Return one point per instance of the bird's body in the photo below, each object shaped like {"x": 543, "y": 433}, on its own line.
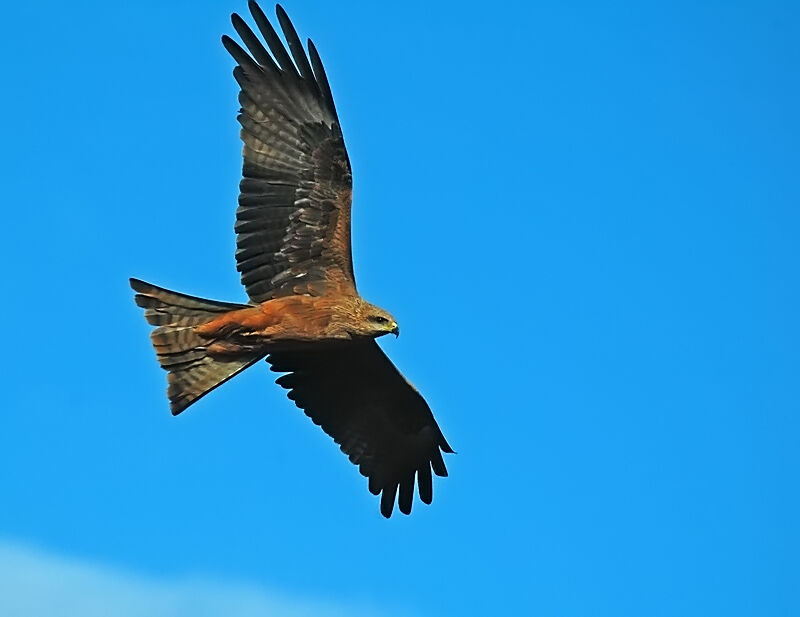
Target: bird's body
{"x": 296, "y": 319}
{"x": 305, "y": 315}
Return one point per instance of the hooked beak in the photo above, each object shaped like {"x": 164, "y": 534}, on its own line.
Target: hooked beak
{"x": 396, "y": 330}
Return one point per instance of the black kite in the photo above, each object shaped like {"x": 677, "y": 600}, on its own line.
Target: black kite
{"x": 293, "y": 251}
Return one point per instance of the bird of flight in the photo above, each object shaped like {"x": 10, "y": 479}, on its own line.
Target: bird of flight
{"x": 305, "y": 315}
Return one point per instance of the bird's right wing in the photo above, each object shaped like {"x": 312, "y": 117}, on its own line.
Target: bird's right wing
{"x": 293, "y": 221}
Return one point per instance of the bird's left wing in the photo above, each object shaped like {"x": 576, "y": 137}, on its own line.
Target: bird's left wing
{"x": 354, "y": 392}
{"x": 293, "y": 221}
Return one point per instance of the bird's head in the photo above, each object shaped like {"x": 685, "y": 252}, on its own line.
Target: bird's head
{"x": 377, "y": 322}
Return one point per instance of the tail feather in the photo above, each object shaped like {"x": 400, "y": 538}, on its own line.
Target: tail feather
{"x": 180, "y": 351}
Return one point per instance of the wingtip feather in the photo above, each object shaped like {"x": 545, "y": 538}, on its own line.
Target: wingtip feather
{"x": 406, "y": 497}
{"x": 387, "y": 500}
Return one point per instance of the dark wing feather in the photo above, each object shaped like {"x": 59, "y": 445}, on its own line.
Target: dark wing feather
{"x": 293, "y": 221}
{"x": 358, "y": 397}
{"x": 296, "y": 47}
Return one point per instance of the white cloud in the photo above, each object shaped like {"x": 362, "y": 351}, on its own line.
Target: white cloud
{"x": 34, "y": 583}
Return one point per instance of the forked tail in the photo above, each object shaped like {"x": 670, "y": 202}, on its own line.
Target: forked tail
{"x": 183, "y": 353}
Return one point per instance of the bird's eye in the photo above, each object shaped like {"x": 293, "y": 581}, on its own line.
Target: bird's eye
{"x": 379, "y": 319}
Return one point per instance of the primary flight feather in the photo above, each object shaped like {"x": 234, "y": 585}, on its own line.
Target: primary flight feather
{"x": 305, "y": 315}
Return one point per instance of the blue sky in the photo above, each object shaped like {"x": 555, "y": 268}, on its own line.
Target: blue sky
{"x": 583, "y": 215}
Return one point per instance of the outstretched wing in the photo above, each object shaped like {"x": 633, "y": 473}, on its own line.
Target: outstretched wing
{"x": 293, "y": 221}
{"x": 358, "y": 397}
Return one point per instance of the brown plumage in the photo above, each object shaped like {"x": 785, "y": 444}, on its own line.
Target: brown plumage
{"x": 293, "y": 252}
